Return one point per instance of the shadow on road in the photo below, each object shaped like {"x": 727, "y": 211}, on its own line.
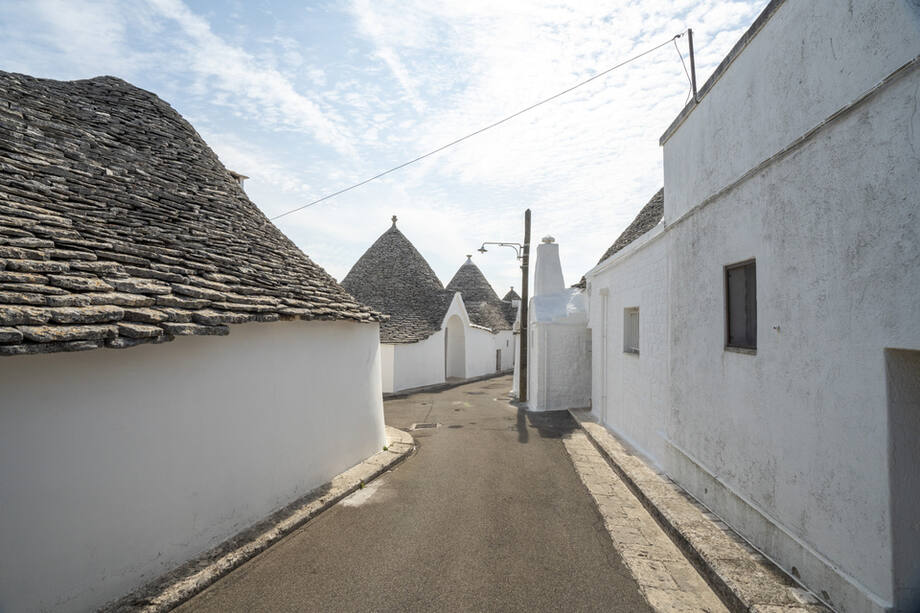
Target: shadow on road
{"x": 548, "y": 424}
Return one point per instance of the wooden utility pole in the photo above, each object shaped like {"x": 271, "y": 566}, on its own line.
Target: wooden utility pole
{"x": 525, "y": 268}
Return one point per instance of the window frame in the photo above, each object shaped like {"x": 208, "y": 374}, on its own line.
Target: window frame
{"x": 750, "y": 301}
{"x": 627, "y": 347}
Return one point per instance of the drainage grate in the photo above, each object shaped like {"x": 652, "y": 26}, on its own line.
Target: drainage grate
{"x": 420, "y": 426}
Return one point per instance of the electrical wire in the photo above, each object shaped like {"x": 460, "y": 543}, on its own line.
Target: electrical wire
{"x": 481, "y": 130}
{"x": 686, "y": 72}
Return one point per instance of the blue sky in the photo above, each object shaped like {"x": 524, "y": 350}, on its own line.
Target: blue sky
{"x": 309, "y": 97}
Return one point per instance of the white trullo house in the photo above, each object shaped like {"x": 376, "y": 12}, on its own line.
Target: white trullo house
{"x": 756, "y": 331}
{"x": 429, "y": 336}
{"x": 174, "y": 369}
{"x": 490, "y": 337}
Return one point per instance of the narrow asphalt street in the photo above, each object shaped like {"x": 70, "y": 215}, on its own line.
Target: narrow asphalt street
{"x": 488, "y": 515}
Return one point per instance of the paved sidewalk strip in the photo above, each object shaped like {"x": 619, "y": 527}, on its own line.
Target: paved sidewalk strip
{"x": 667, "y": 580}
{"x": 174, "y": 588}
{"x": 743, "y": 577}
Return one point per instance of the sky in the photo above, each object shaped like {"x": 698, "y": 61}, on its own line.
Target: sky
{"x": 307, "y": 98}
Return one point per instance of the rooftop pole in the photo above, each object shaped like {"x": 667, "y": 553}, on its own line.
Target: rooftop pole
{"x": 696, "y": 98}
{"x": 525, "y": 274}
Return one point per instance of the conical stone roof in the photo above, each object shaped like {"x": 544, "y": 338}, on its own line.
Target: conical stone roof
{"x": 511, "y": 295}
{"x": 392, "y": 277}
{"x": 120, "y": 226}
{"x": 481, "y": 301}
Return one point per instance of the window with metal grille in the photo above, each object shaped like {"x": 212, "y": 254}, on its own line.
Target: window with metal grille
{"x": 741, "y": 305}
{"x": 631, "y": 330}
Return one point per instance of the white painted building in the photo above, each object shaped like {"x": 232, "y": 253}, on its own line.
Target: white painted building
{"x": 756, "y": 333}
{"x": 559, "y": 347}
{"x": 429, "y": 336}
{"x": 128, "y": 458}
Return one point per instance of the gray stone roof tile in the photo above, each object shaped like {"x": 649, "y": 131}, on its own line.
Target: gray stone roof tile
{"x": 119, "y": 226}
{"x": 647, "y": 219}
{"x": 393, "y": 278}
{"x": 511, "y": 295}
{"x": 481, "y": 301}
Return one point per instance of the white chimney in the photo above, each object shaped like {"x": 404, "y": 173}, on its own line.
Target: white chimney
{"x": 548, "y": 271}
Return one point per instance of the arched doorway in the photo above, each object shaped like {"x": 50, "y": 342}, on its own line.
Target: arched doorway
{"x": 454, "y": 349}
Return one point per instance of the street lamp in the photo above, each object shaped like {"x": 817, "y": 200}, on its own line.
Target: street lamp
{"x": 523, "y": 254}
{"x": 516, "y": 246}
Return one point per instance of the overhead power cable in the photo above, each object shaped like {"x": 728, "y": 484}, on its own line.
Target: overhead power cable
{"x": 481, "y": 130}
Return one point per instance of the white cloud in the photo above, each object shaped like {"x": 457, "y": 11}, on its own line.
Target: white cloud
{"x": 261, "y": 89}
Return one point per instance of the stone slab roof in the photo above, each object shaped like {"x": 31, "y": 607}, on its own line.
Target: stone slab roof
{"x": 119, "y": 226}
{"x": 511, "y": 295}
{"x": 481, "y": 301}
{"x": 393, "y": 278}
{"x": 647, "y": 219}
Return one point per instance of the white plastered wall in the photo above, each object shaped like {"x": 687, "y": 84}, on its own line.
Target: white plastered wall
{"x": 559, "y": 353}
{"x": 631, "y": 392}
{"x": 387, "y": 353}
{"x": 119, "y": 465}
{"x": 790, "y": 446}
{"x": 418, "y": 364}
{"x": 481, "y": 347}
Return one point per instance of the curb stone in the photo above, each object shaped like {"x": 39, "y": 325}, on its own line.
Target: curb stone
{"x": 179, "y": 585}
{"x": 745, "y": 580}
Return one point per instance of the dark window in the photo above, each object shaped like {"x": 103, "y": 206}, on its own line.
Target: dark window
{"x": 741, "y": 305}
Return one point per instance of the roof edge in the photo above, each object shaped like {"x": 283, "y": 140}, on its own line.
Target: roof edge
{"x": 765, "y": 15}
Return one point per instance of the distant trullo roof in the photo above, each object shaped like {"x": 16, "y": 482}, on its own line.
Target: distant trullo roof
{"x": 119, "y": 226}
{"x": 511, "y": 295}
{"x": 481, "y": 301}
{"x": 393, "y": 278}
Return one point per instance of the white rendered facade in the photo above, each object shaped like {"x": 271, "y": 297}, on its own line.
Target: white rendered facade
{"x": 120, "y": 465}
{"x": 459, "y": 349}
{"x": 559, "y": 347}
{"x": 807, "y": 444}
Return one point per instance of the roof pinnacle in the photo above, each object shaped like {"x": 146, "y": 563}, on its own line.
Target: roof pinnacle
{"x": 394, "y": 221}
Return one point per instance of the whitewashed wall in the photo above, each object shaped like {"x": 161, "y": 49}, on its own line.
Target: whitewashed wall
{"x": 480, "y": 355}
{"x": 504, "y": 340}
{"x": 809, "y": 60}
{"x": 423, "y": 363}
{"x": 630, "y": 390}
{"x": 799, "y": 430}
{"x": 119, "y": 465}
{"x": 791, "y": 446}
{"x": 387, "y": 372}
{"x": 419, "y": 364}
{"x": 559, "y": 352}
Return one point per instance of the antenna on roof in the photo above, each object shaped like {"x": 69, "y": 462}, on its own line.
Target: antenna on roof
{"x": 394, "y": 221}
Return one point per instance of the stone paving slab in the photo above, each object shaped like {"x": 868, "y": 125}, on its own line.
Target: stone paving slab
{"x": 172, "y": 589}
{"x": 666, "y": 579}
{"x": 744, "y": 579}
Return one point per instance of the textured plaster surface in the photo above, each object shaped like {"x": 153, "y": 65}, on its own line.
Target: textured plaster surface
{"x": 118, "y": 466}
{"x": 810, "y": 59}
{"x": 191, "y": 578}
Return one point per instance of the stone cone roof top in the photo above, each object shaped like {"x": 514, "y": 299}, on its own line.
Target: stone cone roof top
{"x": 119, "y": 226}
{"x": 393, "y": 278}
{"x": 511, "y": 295}
{"x": 481, "y": 301}
{"x": 647, "y": 219}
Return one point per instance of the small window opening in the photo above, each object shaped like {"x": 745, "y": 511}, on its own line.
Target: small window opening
{"x": 741, "y": 305}
{"x": 631, "y": 330}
